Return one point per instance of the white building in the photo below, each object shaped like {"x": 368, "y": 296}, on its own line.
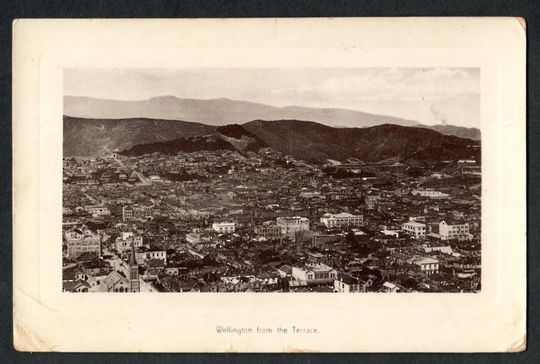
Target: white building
{"x": 224, "y": 227}
{"x": 309, "y": 194}
{"x": 193, "y": 238}
{"x": 427, "y": 265}
{"x": 82, "y": 241}
{"x": 454, "y": 231}
{"x": 415, "y": 229}
{"x": 447, "y": 249}
{"x": 390, "y": 287}
{"x": 430, "y": 194}
{"x": 97, "y": 210}
{"x": 341, "y": 220}
{"x": 126, "y": 240}
{"x": 292, "y": 225}
{"x": 314, "y": 273}
{"x": 144, "y": 256}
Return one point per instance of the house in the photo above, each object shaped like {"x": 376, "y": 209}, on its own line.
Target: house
{"x": 390, "y": 287}
{"x": 268, "y": 279}
{"x": 317, "y": 273}
{"x": 285, "y": 271}
{"x": 77, "y": 286}
{"x": 345, "y": 283}
{"x": 343, "y": 219}
{"x": 193, "y": 238}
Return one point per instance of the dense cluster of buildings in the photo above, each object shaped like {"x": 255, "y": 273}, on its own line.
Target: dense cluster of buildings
{"x": 262, "y": 222}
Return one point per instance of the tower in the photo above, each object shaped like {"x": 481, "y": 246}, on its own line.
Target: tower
{"x": 133, "y": 271}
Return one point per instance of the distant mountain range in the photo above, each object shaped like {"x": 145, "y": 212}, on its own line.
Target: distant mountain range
{"x": 301, "y": 139}
{"x": 219, "y": 112}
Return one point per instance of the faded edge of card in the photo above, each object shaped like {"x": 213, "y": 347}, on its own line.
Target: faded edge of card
{"x": 47, "y": 320}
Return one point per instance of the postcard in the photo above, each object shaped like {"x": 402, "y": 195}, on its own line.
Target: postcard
{"x": 269, "y": 185}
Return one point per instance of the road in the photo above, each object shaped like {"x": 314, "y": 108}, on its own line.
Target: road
{"x": 142, "y": 178}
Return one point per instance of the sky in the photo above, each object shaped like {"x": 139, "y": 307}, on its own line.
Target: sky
{"x": 427, "y": 95}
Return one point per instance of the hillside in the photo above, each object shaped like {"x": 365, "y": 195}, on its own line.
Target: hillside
{"x": 318, "y": 143}
{"x": 229, "y": 137}
{"x": 313, "y": 141}
{"x": 469, "y": 133}
{"x": 90, "y": 137}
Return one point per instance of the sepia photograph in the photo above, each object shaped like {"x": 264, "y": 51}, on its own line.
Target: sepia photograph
{"x": 269, "y": 185}
{"x": 346, "y": 180}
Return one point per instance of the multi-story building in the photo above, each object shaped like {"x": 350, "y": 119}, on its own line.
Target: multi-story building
{"x": 224, "y": 227}
{"x": 415, "y": 229}
{"x": 343, "y": 219}
{"x": 199, "y": 240}
{"x": 126, "y": 240}
{"x": 133, "y": 212}
{"x": 458, "y": 231}
{"x": 82, "y": 241}
{"x": 268, "y": 231}
{"x": 427, "y": 265}
{"x": 290, "y": 226}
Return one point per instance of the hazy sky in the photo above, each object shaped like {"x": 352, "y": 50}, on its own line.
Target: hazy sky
{"x": 427, "y": 95}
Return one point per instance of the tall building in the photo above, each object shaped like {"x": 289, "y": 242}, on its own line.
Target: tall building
{"x": 415, "y": 229}
{"x": 134, "y": 272}
{"x": 451, "y": 230}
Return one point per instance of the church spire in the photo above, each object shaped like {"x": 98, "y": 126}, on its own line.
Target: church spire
{"x": 132, "y": 258}
{"x": 134, "y": 271}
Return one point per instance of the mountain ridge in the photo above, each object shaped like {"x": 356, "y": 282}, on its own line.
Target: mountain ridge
{"x": 304, "y": 140}
{"x": 224, "y": 111}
